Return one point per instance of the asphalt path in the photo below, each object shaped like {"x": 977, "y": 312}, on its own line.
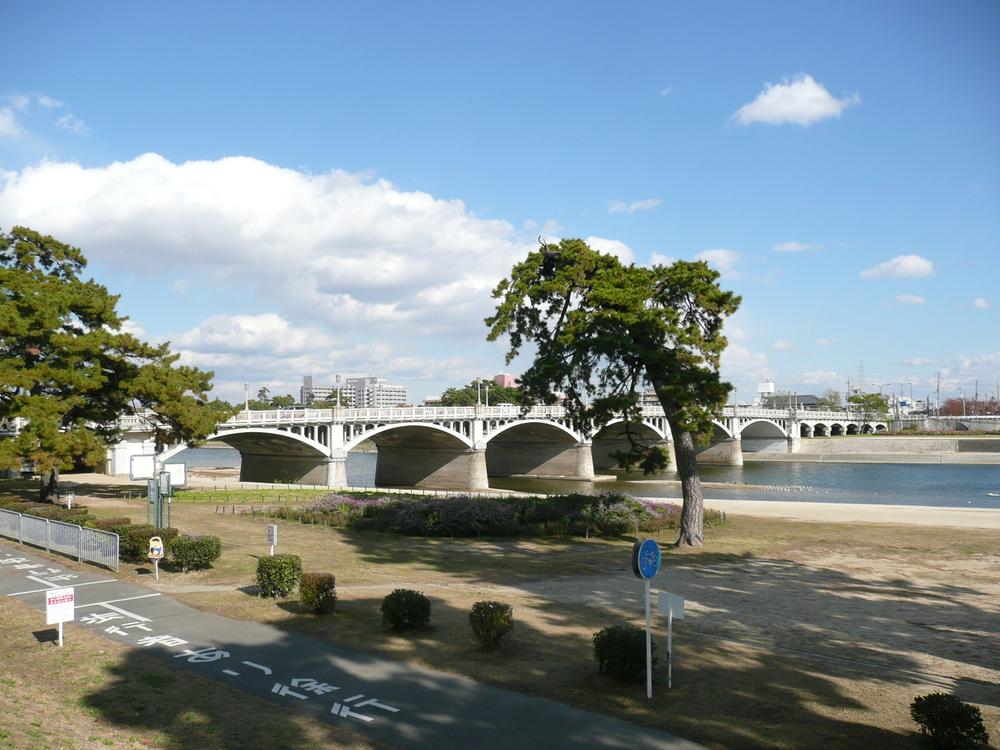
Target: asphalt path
{"x": 393, "y": 702}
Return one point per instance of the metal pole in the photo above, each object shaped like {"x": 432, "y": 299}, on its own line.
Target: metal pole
{"x": 60, "y": 635}
{"x": 649, "y": 646}
{"x": 670, "y": 643}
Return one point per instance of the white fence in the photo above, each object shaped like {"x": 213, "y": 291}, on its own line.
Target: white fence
{"x": 91, "y": 545}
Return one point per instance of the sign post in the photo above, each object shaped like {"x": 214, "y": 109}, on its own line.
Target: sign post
{"x": 156, "y": 554}
{"x": 60, "y": 605}
{"x": 646, "y": 560}
{"x": 672, "y": 606}
{"x": 272, "y": 536}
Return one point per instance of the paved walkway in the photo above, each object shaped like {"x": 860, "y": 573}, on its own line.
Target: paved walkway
{"x": 393, "y": 702}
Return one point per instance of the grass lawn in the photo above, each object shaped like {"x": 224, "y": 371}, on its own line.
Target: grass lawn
{"x": 94, "y": 693}
{"x": 798, "y": 634}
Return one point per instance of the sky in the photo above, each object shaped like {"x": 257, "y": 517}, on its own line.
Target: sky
{"x": 300, "y": 188}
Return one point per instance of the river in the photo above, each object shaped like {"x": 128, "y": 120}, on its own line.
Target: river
{"x": 947, "y": 485}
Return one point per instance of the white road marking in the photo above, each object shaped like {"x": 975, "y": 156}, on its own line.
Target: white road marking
{"x": 75, "y": 585}
{"x": 42, "y": 580}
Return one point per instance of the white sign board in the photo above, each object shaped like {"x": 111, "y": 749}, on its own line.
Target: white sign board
{"x": 671, "y": 604}
{"x": 142, "y": 467}
{"x": 272, "y": 533}
{"x": 59, "y": 605}
{"x": 178, "y": 474}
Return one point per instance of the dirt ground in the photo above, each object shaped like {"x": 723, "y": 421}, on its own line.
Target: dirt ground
{"x": 798, "y": 633}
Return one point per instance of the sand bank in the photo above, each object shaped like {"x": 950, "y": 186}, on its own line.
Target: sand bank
{"x": 970, "y": 518}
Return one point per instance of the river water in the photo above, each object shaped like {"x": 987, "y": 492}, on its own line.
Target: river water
{"x": 948, "y": 485}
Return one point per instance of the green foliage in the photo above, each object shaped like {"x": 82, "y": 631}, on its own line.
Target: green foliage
{"x": 602, "y": 331}
{"x": 405, "y": 609}
{"x": 264, "y": 403}
{"x": 133, "y": 540}
{"x": 951, "y": 723}
{"x": 67, "y": 366}
{"x": 278, "y": 575}
{"x": 620, "y": 651}
{"x": 318, "y": 591}
{"x": 830, "y": 399}
{"x": 487, "y": 391}
{"x": 491, "y": 621}
{"x": 108, "y": 524}
{"x": 869, "y": 406}
{"x": 195, "y": 552}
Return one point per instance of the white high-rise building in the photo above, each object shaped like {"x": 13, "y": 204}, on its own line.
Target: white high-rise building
{"x": 374, "y": 393}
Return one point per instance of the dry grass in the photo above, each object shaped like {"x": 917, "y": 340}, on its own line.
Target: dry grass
{"x": 94, "y": 693}
{"x": 800, "y": 635}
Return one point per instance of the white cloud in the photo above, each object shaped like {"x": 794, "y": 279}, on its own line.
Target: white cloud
{"x": 918, "y": 361}
{"x": 909, "y": 299}
{"x": 795, "y": 247}
{"x": 743, "y": 364}
{"x": 612, "y": 247}
{"x": 782, "y": 345}
{"x": 9, "y": 127}
{"x": 72, "y": 123}
{"x": 980, "y": 303}
{"x": 180, "y": 287}
{"x": 900, "y": 267}
{"x": 801, "y": 100}
{"x": 725, "y": 261}
{"x": 659, "y": 259}
{"x": 621, "y": 207}
{"x": 48, "y": 102}
{"x": 824, "y": 342}
{"x": 266, "y": 332}
{"x": 825, "y": 378}
{"x": 337, "y": 247}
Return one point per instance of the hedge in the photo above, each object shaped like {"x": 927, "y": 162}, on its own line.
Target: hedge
{"x": 278, "y": 575}
{"x": 405, "y": 609}
{"x": 491, "y": 621}
{"x": 133, "y": 540}
{"x": 194, "y": 552}
{"x": 620, "y": 651}
{"x": 318, "y": 591}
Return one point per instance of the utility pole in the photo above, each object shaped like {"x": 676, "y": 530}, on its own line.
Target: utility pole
{"x": 975, "y": 404}
{"x": 939, "y": 394}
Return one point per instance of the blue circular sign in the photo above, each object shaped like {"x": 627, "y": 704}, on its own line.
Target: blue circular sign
{"x": 646, "y": 559}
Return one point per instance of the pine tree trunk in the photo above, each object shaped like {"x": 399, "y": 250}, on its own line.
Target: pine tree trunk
{"x": 693, "y": 510}
{"x": 49, "y": 491}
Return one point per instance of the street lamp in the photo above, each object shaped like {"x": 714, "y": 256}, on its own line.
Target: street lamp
{"x": 338, "y": 391}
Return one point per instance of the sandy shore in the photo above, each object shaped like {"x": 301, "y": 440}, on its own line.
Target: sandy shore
{"x": 970, "y": 518}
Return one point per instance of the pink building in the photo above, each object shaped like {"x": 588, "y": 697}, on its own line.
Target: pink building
{"x": 505, "y": 380}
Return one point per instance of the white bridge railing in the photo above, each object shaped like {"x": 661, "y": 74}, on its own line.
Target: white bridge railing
{"x": 91, "y": 545}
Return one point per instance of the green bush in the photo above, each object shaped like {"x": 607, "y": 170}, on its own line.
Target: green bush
{"x": 278, "y": 575}
{"x": 133, "y": 540}
{"x": 620, "y": 651}
{"x": 318, "y": 591}
{"x": 950, "y": 722}
{"x": 491, "y": 621}
{"x": 108, "y": 524}
{"x": 404, "y": 609}
{"x": 193, "y": 552}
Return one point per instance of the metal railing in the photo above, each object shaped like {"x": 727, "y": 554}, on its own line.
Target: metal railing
{"x": 90, "y": 545}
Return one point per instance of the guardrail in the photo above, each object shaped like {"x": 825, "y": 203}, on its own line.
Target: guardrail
{"x": 90, "y": 545}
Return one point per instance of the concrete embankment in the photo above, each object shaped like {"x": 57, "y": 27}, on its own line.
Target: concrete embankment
{"x": 897, "y": 450}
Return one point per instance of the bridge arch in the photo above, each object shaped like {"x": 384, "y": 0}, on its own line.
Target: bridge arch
{"x": 537, "y": 447}
{"x": 763, "y": 436}
{"x": 611, "y": 439}
{"x": 421, "y": 432}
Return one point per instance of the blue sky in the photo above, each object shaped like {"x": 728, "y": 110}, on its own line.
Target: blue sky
{"x": 322, "y": 188}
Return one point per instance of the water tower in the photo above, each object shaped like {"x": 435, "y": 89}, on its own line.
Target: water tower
{"x": 765, "y": 391}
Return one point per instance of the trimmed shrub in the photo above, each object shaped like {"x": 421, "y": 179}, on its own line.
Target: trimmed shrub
{"x": 318, "y": 591}
{"x": 491, "y": 621}
{"x": 620, "y": 651}
{"x": 950, "y": 722}
{"x": 133, "y": 540}
{"x": 108, "y": 524}
{"x": 278, "y": 575}
{"x": 405, "y": 609}
{"x": 194, "y": 552}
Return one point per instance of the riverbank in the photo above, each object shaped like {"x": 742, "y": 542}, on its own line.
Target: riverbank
{"x": 916, "y": 515}
{"x": 878, "y": 458}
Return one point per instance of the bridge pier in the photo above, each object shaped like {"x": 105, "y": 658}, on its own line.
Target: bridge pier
{"x": 336, "y": 471}
{"x": 434, "y": 468}
{"x": 728, "y": 452}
